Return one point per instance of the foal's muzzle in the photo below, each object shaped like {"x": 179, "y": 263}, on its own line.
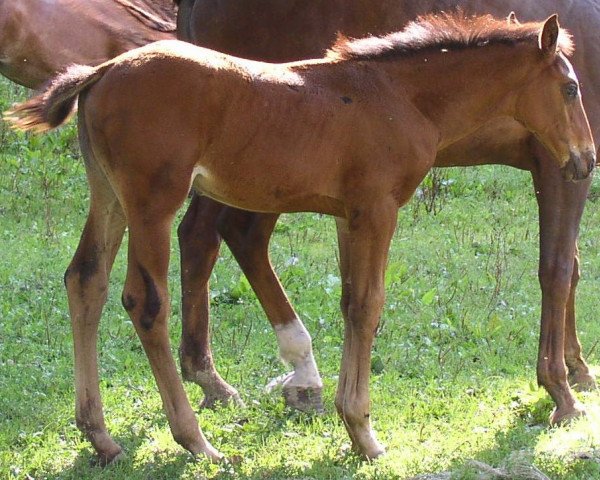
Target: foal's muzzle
{"x": 579, "y": 166}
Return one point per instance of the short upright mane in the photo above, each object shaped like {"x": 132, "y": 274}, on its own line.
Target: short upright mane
{"x": 450, "y": 31}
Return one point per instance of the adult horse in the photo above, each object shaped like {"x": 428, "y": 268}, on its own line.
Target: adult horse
{"x": 39, "y": 38}
{"x": 350, "y": 135}
{"x": 283, "y": 31}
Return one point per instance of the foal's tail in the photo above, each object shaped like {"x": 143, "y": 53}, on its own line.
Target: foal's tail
{"x": 56, "y": 103}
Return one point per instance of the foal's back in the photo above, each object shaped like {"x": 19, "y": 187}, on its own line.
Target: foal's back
{"x": 245, "y": 120}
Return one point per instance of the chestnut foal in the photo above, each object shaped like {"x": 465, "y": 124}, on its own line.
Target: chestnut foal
{"x": 350, "y": 135}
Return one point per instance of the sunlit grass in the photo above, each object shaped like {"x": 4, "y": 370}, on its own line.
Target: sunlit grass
{"x": 454, "y": 361}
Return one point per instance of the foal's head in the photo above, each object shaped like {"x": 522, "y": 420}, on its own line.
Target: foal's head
{"x": 549, "y": 105}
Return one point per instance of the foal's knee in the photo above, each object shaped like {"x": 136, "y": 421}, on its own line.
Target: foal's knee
{"x": 366, "y": 310}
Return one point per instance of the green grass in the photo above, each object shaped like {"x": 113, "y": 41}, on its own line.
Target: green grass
{"x": 454, "y": 361}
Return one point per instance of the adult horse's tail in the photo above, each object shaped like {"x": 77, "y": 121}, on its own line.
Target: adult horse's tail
{"x": 56, "y": 103}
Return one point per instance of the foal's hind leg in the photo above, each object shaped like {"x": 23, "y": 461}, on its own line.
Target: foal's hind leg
{"x": 145, "y": 297}
{"x": 558, "y": 236}
{"x": 364, "y": 243}
{"x": 86, "y": 281}
{"x": 247, "y": 235}
{"x": 199, "y": 244}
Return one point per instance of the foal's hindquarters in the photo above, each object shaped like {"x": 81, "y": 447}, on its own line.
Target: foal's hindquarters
{"x": 116, "y": 202}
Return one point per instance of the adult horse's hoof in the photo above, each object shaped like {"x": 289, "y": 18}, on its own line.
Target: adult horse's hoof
{"x": 563, "y": 417}
{"x": 305, "y": 399}
{"x": 583, "y": 382}
{"x": 217, "y": 392}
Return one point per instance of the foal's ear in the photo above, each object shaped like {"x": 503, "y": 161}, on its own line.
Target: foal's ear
{"x": 548, "y": 38}
{"x": 512, "y": 19}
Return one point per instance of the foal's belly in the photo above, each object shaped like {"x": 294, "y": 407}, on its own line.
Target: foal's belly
{"x": 250, "y": 191}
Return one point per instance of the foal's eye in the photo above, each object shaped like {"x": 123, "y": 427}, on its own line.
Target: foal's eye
{"x": 571, "y": 90}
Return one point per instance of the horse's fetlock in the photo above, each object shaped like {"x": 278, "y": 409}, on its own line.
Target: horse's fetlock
{"x": 193, "y": 366}
{"x": 295, "y": 343}
{"x": 186, "y": 436}
{"x": 354, "y": 413}
{"x": 552, "y": 374}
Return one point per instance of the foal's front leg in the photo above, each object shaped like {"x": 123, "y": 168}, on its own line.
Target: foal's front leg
{"x": 561, "y": 206}
{"x": 364, "y": 243}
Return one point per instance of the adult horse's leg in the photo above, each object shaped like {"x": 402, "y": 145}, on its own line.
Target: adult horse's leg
{"x": 364, "y": 242}
{"x": 560, "y": 209}
{"x": 247, "y": 235}
{"x": 150, "y": 214}
{"x": 86, "y": 281}
{"x": 199, "y": 244}
{"x": 184, "y": 12}
{"x": 580, "y": 377}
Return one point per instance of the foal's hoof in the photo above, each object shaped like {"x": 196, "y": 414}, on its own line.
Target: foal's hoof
{"x": 305, "y": 399}
{"x": 210, "y": 453}
{"x": 222, "y": 398}
{"x": 371, "y": 451}
{"x": 582, "y": 382}
{"x": 563, "y": 417}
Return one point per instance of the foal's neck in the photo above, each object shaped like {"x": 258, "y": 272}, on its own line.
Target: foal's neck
{"x": 458, "y": 91}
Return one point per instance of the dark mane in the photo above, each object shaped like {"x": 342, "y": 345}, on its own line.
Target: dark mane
{"x": 452, "y": 31}
{"x": 158, "y": 15}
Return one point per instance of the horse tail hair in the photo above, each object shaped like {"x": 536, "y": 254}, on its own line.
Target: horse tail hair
{"x": 56, "y": 103}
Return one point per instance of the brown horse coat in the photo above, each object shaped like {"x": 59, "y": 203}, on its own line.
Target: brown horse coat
{"x": 39, "y": 38}
{"x": 351, "y": 135}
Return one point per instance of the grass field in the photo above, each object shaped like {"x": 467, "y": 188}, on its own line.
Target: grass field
{"x": 453, "y": 367}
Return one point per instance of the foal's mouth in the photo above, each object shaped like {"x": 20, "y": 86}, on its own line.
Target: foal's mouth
{"x": 579, "y": 166}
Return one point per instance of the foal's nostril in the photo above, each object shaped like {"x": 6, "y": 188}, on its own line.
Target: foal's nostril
{"x": 591, "y": 161}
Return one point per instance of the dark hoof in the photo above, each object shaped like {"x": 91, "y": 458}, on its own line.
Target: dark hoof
{"x": 563, "y": 417}
{"x": 583, "y": 383}
{"x": 305, "y": 399}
